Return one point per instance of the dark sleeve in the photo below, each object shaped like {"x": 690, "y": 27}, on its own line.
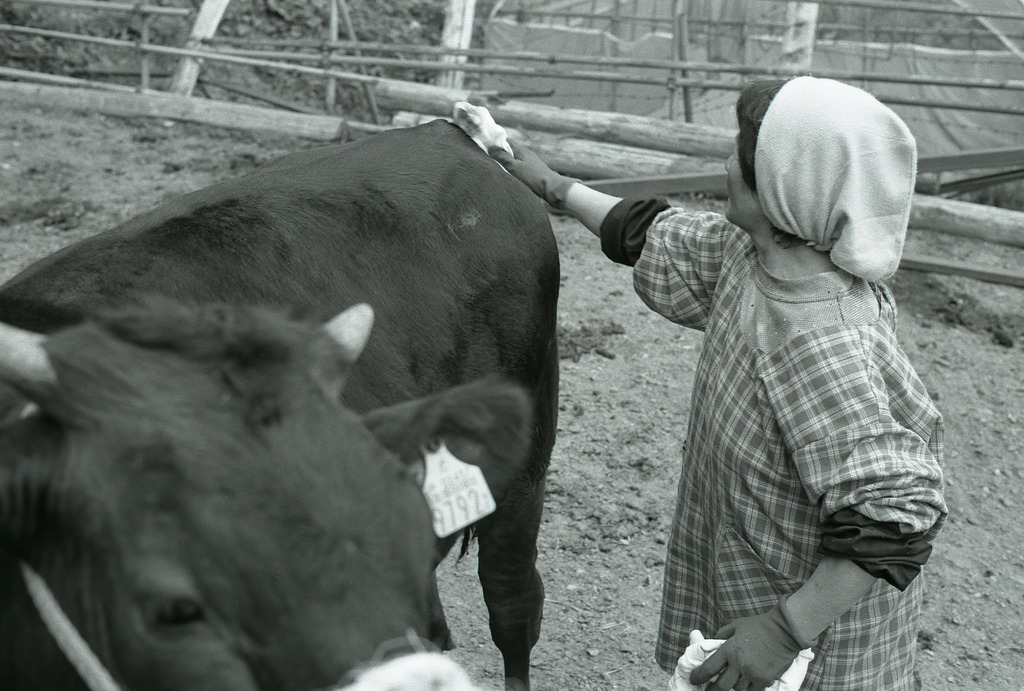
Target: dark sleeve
{"x": 624, "y": 229}
{"x": 883, "y": 550}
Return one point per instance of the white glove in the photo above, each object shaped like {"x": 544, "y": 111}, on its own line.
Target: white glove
{"x": 701, "y": 648}
{"x": 476, "y": 121}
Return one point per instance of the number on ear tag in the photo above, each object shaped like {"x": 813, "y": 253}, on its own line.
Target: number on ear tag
{"x": 456, "y": 492}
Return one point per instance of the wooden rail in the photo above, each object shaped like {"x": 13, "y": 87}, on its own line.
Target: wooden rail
{"x": 159, "y": 104}
{"x": 926, "y": 7}
{"x": 674, "y": 184}
{"x": 701, "y": 25}
{"x": 61, "y": 80}
{"x": 668, "y": 184}
{"x": 973, "y": 160}
{"x": 186, "y": 52}
{"x": 943, "y": 266}
{"x": 242, "y": 58}
{"x": 546, "y": 58}
{"x": 551, "y": 60}
{"x": 116, "y": 7}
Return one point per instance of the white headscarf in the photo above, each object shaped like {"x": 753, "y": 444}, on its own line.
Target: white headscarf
{"x": 837, "y": 168}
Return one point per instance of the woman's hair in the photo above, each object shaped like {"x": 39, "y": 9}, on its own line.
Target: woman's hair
{"x": 751, "y": 106}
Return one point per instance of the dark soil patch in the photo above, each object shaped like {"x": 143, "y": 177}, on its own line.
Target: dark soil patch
{"x": 576, "y": 341}
{"x": 930, "y": 297}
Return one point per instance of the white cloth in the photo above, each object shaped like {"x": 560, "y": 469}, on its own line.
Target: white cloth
{"x": 476, "y": 121}
{"x": 701, "y": 648}
{"x": 836, "y": 167}
{"x": 415, "y": 672}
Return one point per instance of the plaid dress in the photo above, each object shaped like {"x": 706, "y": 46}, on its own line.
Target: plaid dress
{"x": 803, "y": 404}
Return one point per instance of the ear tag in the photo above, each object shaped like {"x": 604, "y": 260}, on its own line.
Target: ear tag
{"x": 456, "y": 492}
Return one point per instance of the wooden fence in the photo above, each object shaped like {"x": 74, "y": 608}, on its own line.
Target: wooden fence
{"x": 357, "y": 56}
{"x": 658, "y": 156}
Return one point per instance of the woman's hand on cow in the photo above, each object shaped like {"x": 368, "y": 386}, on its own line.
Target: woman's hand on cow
{"x": 757, "y": 651}
{"x": 587, "y": 205}
{"x": 528, "y": 168}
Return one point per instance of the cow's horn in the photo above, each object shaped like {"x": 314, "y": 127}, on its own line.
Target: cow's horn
{"x": 351, "y": 329}
{"x": 23, "y": 362}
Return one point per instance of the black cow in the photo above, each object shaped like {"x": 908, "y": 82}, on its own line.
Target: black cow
{"x": 460, "y": 266}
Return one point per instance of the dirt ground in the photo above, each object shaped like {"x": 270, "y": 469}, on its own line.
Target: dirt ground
{"x": 626, "y": 378}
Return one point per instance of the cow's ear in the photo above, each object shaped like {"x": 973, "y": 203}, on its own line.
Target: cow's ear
{"x": 351, "y": 330}
{"x": 487, "y": 423}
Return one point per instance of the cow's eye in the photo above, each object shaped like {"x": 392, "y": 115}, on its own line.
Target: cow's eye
{"x": 179, "y": 610}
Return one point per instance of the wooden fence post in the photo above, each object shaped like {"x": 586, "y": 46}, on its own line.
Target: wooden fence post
{"x": 680, "y": 52}
{"x": 144, "y": 57}
{"x": 458, "y": 34}
{"x": 798, "y": 43}
{"x": 350, "y": 31}
{"x": 210, "y": 14}
{"x": 330, "y": 87}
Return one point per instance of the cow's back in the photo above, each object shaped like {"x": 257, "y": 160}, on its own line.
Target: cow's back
{"x": 457, "y": 258}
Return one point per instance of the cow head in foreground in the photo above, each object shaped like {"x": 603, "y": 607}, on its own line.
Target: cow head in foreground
{"x": 207, "y": 512}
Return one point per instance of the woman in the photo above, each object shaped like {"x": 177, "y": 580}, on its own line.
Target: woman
{"x": 811, "y": 487}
